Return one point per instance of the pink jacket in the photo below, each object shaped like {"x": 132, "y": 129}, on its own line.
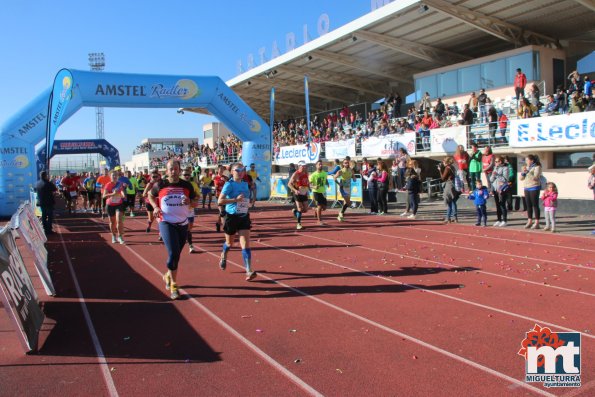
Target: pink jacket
{"x": 550, "y": 199}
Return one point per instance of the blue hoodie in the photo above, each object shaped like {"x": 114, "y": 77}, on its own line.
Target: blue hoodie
{"x": 480, "y": 196}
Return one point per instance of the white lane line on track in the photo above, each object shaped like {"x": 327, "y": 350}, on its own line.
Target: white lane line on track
{"x": 476, "y": 271}
{"x": 498, "y": 238}
{"x": 531, "y": 319}
{"x": 397, "y": 333}
{"x": 275, "y": 364}
{"x": 477, "y": 249}
{"x": 107, "y": 377}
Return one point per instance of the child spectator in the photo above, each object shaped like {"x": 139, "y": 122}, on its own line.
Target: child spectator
{"x": 480, "y": 197}
{"x": 550, "y": 203}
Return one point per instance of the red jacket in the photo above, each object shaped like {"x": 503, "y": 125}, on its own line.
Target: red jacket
{"x": 520, "y": 80}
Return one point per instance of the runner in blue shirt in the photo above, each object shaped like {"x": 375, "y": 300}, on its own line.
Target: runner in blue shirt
{"x": 236, "y": 198}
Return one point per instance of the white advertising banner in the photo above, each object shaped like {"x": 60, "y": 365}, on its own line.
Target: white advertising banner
{"x": 388, "y": 145}
{"x": 339, "y": 149}
{"x": 446, "y": 140}
{"x": 294, "y": 154}
{"x": 563, "y": 130}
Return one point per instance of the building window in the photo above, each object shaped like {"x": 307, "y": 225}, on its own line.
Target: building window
{"x": 573, "y": 159}
{"x": 208, "y": 134}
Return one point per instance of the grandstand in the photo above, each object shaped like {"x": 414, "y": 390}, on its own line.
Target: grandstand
{"x": 448, "y": 49}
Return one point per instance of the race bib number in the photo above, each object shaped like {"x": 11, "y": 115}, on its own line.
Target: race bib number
{"x": 72, "y": 194}
{"x": 116, "y": 199}
{"x": 242, "y": 206}
{"x": 303, "y": 190}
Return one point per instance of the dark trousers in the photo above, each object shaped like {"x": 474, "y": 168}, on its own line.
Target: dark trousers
{"x": 373, "y": 194}
{"x": 532, "y": 198}
{"x": 47, "y": 217}
{"x": 482, "y": 214}
{"x": 519, "y": 92}
{"x": 382, "y": 200}
{"x": 413, "y": 199}
{"x": 174, "y": 238}
{"x": 501, "y": 210}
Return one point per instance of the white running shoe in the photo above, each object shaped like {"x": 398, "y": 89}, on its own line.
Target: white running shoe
{"x": 299, "y": 226}
{"x": 121, "y": 240}
{"x": 340, "y": 217}
{"x": 496, "y": 224}
{"x": 191, "y": 248}
{"x": 113, "y": 239}
{"x": 404, "y": 213}
{"x": 412, "y": 216}
{"x": 502, "y": 224}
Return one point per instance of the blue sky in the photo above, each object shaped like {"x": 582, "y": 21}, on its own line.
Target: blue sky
{"x": 38, "y": 38}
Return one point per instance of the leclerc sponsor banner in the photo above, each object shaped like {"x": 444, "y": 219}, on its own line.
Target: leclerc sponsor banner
{"x": 563, "y": 130}
{"x": 388, "y": 145}
{"x": 339, "y": 149}
{"x": 17, "y": 292}
{"x": 446, "y": 140}
{"x": 294, "y": 154}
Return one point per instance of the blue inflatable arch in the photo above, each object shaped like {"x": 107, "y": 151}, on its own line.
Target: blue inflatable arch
{"x": 74, "y": 89}
{"x": 79, "y": 146}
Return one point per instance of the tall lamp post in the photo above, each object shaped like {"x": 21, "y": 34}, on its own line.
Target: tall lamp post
{"x": 97, "y": 64}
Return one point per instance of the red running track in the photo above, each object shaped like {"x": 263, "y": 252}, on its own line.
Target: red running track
{"x": 370, "y": 306}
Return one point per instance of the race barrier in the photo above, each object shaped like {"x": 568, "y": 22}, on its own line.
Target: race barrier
{"x": 357, "y": 195}
{"x": 279, "y": 187}
{"x": 18, "y": 294}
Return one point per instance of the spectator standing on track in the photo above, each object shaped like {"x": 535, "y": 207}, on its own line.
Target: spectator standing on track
{"x": 382, "y": 188}
{"x": 448, "y": 174}
{"x": 480, "y": 197}
{"x": 402, "y": 160}
{"x": 520, "y": 81}
{"x": 531, "y": 175}
{"x": 371, "y": 178}
{"x": 487, "y": 162}
{"x": 462, "y": 159}
{"x": 45, "y": 199}
{"x": 413, "y": 187}
{"x": 170, "y": 199}
{"x": 235, "y": 195}
{"x": 318, "y": 183}
{"x": 501, "y": 189}
{"x": 475, "y": 164}
{"x": 550, "y": 204}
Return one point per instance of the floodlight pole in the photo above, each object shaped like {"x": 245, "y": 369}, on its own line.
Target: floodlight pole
{"x": 97, "y": 64}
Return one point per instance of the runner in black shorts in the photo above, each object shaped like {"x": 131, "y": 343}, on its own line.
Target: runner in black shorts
{"x": 318, "y": 183}
{"x": 300, "y": 186}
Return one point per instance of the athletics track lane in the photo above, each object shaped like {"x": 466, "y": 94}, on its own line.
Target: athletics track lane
{"x": 340, "y": 354}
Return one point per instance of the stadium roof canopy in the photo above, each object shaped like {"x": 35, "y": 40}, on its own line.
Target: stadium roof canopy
{"x": 381, "y": 51}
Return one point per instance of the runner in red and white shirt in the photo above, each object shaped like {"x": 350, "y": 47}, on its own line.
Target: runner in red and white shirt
{"x": 219, "y": 181}
{"x": 171, "y": 199}
{"x": 114, "y": 193}
{"x": 299, "y": 183}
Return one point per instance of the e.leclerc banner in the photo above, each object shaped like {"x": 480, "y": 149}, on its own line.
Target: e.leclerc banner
{"x": 61, "y": 95}
{"x": 18, "y": 295}
{"x": 294, "y": 154}
{"x": 563, "y": 130}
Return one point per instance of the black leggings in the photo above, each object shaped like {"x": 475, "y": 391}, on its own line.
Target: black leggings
{"x": 382, "y": 200}
{"x": 501, "y": 210}
{"x": 532, "y": 198}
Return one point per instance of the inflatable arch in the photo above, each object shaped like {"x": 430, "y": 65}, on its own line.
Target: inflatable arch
{"x": 81, "y": 146}
{"x": 74, "y": 89}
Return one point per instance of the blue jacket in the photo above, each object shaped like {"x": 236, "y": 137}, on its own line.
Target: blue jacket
{"x": 480, "y": 196}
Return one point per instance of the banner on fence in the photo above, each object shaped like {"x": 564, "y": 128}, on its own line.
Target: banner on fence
{"x": 294, "y": 154}
{"x": 389, "y": 145}
{"x": 356, "y": 191}
{"x": 339, "y": 149}
{"x": 18, "y": 295}
{"x": 446, "y": 140}
{"x": 331, "y": 189}
{"x": 279, "y": 187}
{"x": 30, "y": 229}
{"x": 564, "y": 130}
